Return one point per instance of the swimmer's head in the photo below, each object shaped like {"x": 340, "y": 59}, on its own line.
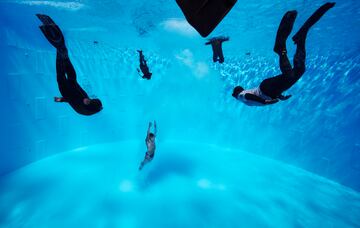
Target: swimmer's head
{"x": 237, "y": 90}
{"x": 151, "y": 136}
{"x": 147, "y": 76}
{"x": 95, "y": 105}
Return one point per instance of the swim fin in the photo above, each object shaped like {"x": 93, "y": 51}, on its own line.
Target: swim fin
{"x": 45, "y": 19}
{"x": 51, "y": 32}
{"x": 300, "y": 36}
{"x": 205, "y": 15}
{"x": 284, "y": 30}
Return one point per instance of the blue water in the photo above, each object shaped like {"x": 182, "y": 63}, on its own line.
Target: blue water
{"x": 218, "y": 163}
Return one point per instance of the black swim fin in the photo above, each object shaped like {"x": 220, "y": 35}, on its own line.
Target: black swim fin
{"x": 45, "y": 19}
{"x": 300, "y": 36}
{"x": 51, "y": 32}
{"x": 284, "y": 30}
{"x": 205, "y": 15}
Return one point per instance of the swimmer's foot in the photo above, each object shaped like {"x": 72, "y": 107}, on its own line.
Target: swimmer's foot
{"x": 284, "y": 30}
{"x": 300, "y": 36}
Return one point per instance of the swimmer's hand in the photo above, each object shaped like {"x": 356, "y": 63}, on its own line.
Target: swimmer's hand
{"x": 273, "y": 101}
{"x": 59, "y": 99}
{"x": 284, "y": 98}
{"x": 86, "y": 101}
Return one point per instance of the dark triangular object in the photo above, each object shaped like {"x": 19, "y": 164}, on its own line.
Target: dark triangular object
{"x": 205, "y": 15}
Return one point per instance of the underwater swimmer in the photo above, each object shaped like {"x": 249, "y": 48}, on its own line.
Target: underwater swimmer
{"x": 271, "y": 89}
{"x": 70, "y": 90}
{"x": 216, "y": 44}
{"x": 150, "y": 144}
{"x": 143, "y": 66}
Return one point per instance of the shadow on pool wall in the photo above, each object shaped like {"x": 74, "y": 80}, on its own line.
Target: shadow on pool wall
{"x": 188, "y": 95}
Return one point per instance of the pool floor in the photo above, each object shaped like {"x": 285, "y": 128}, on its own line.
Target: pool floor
{"x": 186, "y": 185}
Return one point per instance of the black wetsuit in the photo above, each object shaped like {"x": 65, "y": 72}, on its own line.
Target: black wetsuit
{"x": 69, "y": 88}
{"x": 216, "y": 45}
{"x": 275, "y": 86}
{"x": 143, "y": 67}
{"x": 65, "y": 73}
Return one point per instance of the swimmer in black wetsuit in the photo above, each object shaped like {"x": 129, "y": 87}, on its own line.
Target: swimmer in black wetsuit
{"x": 216, "y": 44}
{"x": 150, "y": 144}
{"x": 143, "y": 67}
{"x": 271, "y": 89}
{"x": 70, "y": 90}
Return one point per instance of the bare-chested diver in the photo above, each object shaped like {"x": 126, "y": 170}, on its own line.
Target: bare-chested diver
{"x": 143, "y": 66}
{"x": 216, "y": 45}
{"x": 150, "y": 144}
{"x": 271, "y": 90}
{"x": 70, "y": 90}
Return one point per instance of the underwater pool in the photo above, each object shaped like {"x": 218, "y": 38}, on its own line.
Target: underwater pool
{"x": 96, "y": 186}
{"x": 218, "y": 162}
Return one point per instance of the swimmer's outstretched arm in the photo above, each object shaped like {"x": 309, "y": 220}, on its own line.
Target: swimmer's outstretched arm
{"x": 139, "y": 72}
{"x": 59, "y": 99}
{"x": 155, "y": 128}
{"x": 148, "y": 131}
{"x": 221, "y": 39}
{"x": 253, "y": 97}
{"x": 284, "y": 98}
{"x": 225, "y": 38}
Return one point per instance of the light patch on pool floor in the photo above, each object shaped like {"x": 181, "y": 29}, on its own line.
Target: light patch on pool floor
{"x": 186, "y": 185}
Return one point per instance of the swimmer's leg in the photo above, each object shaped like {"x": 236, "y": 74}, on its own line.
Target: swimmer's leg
{"x": 282, "y": 34}
{"x": 216, "y": 48}
{"x": 284, "y": 30}
{"x": 221, "y": 55}
{"x": 215, "y": 57}
{"x": 61, "y": 74}
{"x": 299, "y": 60}
{"x": 300, "y": 36}
{"x": 285, "y": 65}
{"x": 274, "y": 87}
{"x": 141, "y": 58}
{"x": 64, "y": 67}
{"x": 143, "y": 163}
{"x": 300, "y": 40}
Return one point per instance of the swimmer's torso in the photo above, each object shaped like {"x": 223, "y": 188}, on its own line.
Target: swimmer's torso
{"x": 257, "y": 92}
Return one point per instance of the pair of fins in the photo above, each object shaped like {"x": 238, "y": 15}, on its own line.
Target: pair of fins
{"x": 205, "y": 15}
{"x": 51, "y": 31}
{"x": 287, "y": 23}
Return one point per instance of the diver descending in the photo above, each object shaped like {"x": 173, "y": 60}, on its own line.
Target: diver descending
{"x": 271, "y": 89}
{"x": 143, "y": 66}
{"x": 216, "y": 44}
{"x": 70, "y": 90}
{"x": 150, "y": 144}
